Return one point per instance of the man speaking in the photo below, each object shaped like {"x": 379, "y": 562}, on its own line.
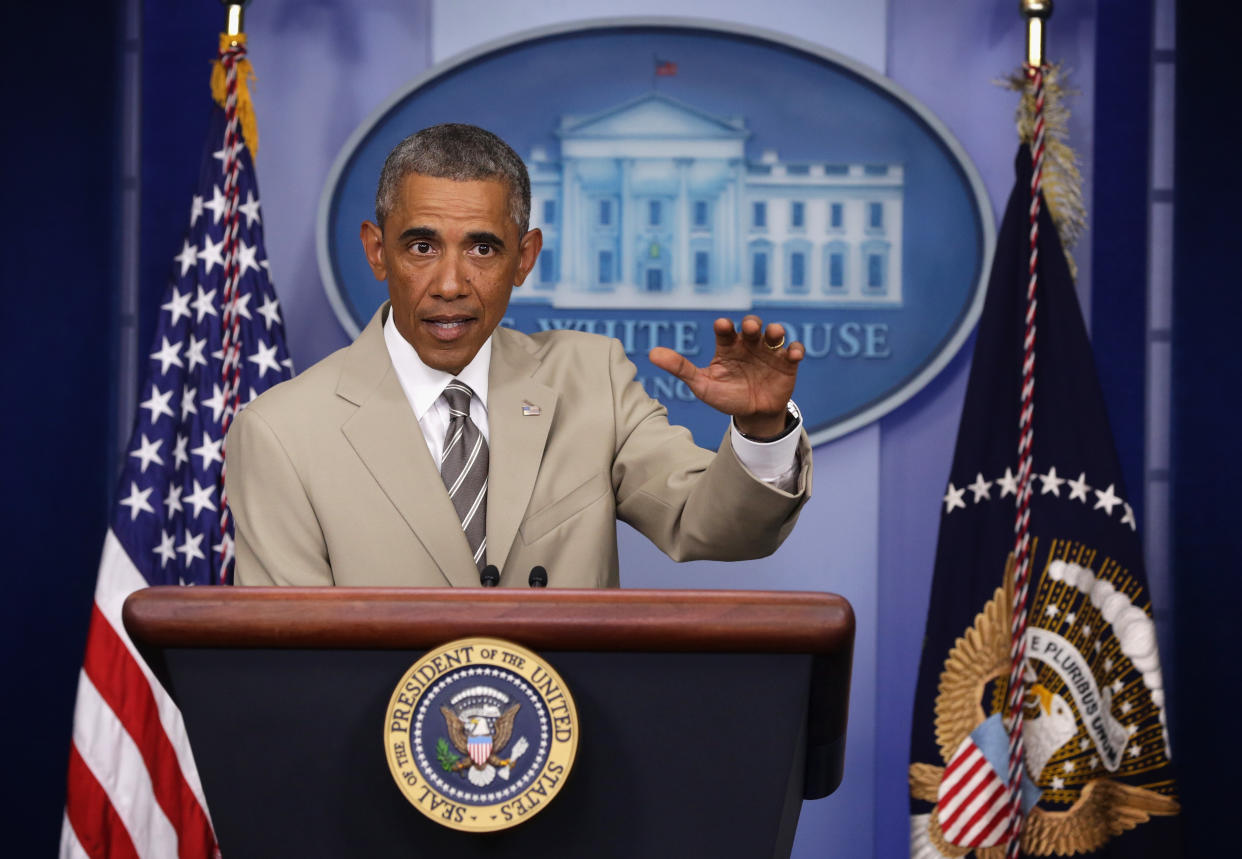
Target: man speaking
{"x": 439, "y": 444}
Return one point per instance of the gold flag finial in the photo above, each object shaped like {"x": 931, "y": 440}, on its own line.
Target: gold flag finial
{"x": 1036, "y": 12}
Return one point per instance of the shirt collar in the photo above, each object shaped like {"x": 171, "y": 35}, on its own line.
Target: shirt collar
{"x": 422, "y": 384}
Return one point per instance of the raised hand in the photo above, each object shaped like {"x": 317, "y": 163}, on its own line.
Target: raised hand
{"x": 751, "y": 376}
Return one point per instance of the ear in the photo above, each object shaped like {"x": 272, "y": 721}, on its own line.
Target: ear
{"x": 373, "y": 246}
{"x": 528, "y": 251}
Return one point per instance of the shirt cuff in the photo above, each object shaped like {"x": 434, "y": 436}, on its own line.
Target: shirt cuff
{"x": 773, "y": 462}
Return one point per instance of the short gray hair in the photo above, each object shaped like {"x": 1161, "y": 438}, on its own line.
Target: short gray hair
{"x": 459, "y": 152}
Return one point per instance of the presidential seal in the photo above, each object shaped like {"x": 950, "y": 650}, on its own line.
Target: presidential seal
{"x": 480, "y": 734}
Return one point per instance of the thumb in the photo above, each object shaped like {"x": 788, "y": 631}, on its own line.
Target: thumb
{"x": 672, "y": 362}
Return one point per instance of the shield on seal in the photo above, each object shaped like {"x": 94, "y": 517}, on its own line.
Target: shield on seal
{"x": 480, "y": 749}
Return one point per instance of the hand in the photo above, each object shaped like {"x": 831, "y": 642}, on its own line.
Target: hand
{"x": 747, "y": 378}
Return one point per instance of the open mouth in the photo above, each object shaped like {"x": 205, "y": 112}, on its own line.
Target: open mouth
{"x": 448, "y": 328}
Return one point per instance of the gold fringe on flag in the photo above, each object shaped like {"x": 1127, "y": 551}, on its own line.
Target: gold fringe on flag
{"x": 1062, "y": 180}
{"x": 245, "y": 108}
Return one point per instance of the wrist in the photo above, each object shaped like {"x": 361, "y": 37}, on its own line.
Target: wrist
{"x": 769, "y": 428}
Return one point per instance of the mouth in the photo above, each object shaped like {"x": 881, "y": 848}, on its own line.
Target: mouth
{"x": 448, "y": 328}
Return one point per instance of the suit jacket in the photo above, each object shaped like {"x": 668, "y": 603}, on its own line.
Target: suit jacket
{"x": 330, "y": 481}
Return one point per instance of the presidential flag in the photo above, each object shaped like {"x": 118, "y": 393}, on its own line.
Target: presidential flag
{"x": 133, "y": 789}
{"x": 1096, "y": 776}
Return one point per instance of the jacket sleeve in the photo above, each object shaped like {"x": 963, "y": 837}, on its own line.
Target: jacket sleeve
{"x": 277, "y": 536}
{"x": 691, "y": 503}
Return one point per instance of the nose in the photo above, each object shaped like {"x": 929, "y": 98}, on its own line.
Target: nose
{"x": 450, "y": 279}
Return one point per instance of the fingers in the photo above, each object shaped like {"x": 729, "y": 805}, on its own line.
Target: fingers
{"x": 754, "y": 333}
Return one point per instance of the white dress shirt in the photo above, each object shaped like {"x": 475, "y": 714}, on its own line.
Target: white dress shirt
{"x": 774, "y": 462}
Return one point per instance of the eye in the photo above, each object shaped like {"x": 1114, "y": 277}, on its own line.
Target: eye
{"x": 484, "y": 249}
{"x": 421, "y": 247}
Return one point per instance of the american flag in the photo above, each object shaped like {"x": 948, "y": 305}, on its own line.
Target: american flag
{"x": 133, "y": 789}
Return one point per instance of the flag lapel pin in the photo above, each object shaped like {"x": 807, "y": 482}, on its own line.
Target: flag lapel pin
{"x": 529, "y": 409}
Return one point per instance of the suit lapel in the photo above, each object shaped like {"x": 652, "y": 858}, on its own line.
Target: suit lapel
{"x": 388, "y": 440}
{"x": 516, "y": 439}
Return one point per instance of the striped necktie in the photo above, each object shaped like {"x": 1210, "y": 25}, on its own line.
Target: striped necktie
{"x": 463, "y": 466}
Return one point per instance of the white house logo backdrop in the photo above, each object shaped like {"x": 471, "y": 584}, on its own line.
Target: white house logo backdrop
{"x": 680, "y": 173}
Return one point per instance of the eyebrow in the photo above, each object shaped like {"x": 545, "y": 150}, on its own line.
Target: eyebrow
{"x": 485, "y": 237}
{"x": 418, "y": 233}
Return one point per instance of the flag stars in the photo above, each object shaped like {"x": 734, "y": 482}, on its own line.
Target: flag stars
{"x": 179, "y": 454}
{"x": 173, "y": 500}
{"x": 210, "y": 255}
{"x": 981, "y": 488}
{"x": 1058, "y": 783}
{"x": 1128, "y": 518}
{"x": 205, "y": 304}
{"x": 148, "y": 452}
{"x": 1051, "y": 483}
{"x": 136, "y": 501}
{"x": 165, "y": 549}
{"x": 157, "y": 404}
{"x": 169, "y": 354}
{"x": 1096, "y": 647}
{"x": 215, "y": 403}
{"x": 215, "y": 205}
{"x": 265, "y": 359}
{"x": 1008, "y": 483}
{"x": 190, "y": 548}
{"x": 178, "y": 304}
{"x": 1051, "y": 610}
{"x": 1135, "y": 751}
{"x": 1106, "y": 500}
{"x": 953, "y": 499}
{"x": 250, "y": 209}
{"x": 1079, "y": 488}
{"x": 1125, "y": 708}
{"x": 1070, "y": 618}
{"x": 187, "y": 402}
{"x": 200, "y": 498}
{"x": 1108, "y": 664}
{"x": 194, "y": 352}
{"x": 209, "y": 452}
{"x": 1116, "y": 686}
{"x": 1084, "y": 744}
{"x": 270, "y": 311}
{"x": 1086, "y": 631}
{"x": 1094, "y": 762}
{"x": 196, "y": 209}
{"x": 246, "y": 258}
{"x": 1069, "y": 767}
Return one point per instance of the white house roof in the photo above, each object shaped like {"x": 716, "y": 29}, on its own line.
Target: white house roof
{"x": 653, "y": 116}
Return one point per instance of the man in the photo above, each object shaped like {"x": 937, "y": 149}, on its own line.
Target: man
{"x": 439, "y": 443}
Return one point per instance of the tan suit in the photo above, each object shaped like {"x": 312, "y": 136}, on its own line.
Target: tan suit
{"x": 330, "y": 481}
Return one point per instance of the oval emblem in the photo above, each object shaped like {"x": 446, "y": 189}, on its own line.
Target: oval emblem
{"x": 684, "y": 172}
{"x": 480, "y": 734}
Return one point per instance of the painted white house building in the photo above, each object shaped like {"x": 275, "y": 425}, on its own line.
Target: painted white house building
{"x": 654, "y": 203}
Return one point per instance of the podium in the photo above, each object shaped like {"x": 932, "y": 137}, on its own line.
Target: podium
{"x": 706, "y": 717}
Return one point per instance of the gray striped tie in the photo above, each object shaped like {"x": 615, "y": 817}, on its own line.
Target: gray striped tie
{"x": 463, "y": 466}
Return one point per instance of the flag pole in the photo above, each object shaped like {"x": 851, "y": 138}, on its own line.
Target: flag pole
{"x": 1036, "y": 13}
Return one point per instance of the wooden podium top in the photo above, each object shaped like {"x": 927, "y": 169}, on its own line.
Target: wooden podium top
{"x": 548, "y": 619}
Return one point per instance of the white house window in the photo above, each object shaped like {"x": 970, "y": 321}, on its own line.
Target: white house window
{"x": 547, "y": 265}
{"x": 797, "y": 215}
{"x": 702, "y": 268}
{"x": 549, "y": 211}
{"x": 700, "y": 213}
{"x": 605, "y": 266}
{"x": 605, "y": 213}
{"x": 797, "y": 271}
{"x": 875, "y": 266}
{"x": 835, "y": 257}
{"x": 875, "y": 216}
{"x": 654, "y": 213}
{"x": 760, "y": 214}
{"x": 836, "y": 216}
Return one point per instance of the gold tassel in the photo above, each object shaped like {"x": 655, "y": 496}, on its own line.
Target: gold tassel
{"x": 1062, "y": 180}
{"x": 245, "y": 108}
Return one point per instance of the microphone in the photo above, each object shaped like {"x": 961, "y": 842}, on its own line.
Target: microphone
{"x": 490, "y": 577}
{"x": 538, "y": 577}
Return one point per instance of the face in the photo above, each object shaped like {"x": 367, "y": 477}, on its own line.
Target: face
{"x": 451, "y": 255}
